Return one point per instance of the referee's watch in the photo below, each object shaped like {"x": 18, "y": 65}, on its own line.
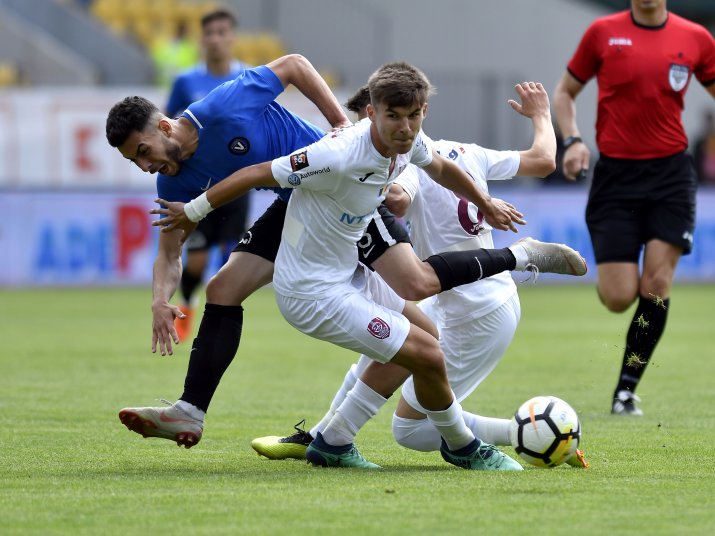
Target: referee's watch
{"x": 568, "y": 142}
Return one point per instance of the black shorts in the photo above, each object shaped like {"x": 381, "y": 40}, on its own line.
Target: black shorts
{"x": 264, "y": 238}
{"x": 634, "y": 201}
{"x": 225, "y": 225}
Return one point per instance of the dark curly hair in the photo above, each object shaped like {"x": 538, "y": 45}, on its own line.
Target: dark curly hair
{"x": 359, "y": 100}
{"x": 129, "y": 115}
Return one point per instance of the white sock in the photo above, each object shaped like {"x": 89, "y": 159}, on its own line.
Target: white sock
{"x": 488, "y": 429}
{"x": 348, "y": 383}
{"x": 191, "y": 410}
{"x": 322, "y": 423}
{"x": 416, "y": 434}
{"x": 421, "y": 435}
{"x": 450, "y": 425}
{"x": 359, "y": 406}
{"x": 522, "y": 259}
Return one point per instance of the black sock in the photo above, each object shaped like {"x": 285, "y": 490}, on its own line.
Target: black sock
{"x": 644, "y": 333}
{"x": 456, "y": 268}
{"x": 189, "y": 282}
{"x": 212, "y": 352}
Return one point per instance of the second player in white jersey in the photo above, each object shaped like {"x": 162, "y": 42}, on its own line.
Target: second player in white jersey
{"x": 441, "y": 221}
{"x": 476, "y": 322}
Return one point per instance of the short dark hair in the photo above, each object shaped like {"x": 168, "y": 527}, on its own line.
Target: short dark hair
{"x": 132, "y": 114}
{"x": 359, "y": 100}
{"x": 399, "y": 84}
{"x": 219, "y": 14}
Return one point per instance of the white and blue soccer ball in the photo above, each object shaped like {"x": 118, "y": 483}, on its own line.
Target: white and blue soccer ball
{"x": 545, "y": 431}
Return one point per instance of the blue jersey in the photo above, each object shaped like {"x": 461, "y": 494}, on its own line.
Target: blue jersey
{"x": 194, "y": 84}
{"x": 239, "y": 124}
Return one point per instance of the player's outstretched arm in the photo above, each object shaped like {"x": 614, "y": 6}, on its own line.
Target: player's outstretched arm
{"x": 499, "y": 214}
{"x": 297, "y": 70}
{"x": 540, "y": 159}
{"x": 186, "y": 216}
{"x": 165, "y": 280}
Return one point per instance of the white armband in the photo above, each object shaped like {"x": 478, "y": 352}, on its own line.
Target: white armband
{"x": 197, "y": 209}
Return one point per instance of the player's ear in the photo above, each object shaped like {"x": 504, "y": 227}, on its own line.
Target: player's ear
{"x": 165, "y": 126}
{"x": 371, "y": 112}
{"x": 424, "y": 110}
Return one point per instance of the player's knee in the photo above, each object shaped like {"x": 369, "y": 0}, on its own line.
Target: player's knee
{"x": 220, "y": 291}
{"x": 616, "y": 304}
{"x": 657, "y": 284}
{"x": 418, "y": 286}
{"x": 616, "y": 301}
{"x": 430, "y": 361}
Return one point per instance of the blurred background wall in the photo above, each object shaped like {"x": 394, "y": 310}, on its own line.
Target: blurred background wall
{"x": 76, "y": 212}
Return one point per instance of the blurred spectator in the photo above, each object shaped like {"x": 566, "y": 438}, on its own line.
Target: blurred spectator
{"x": 218, "y": 36}
{"x": 704, "y": 151}
{"x": 171, "y": 56}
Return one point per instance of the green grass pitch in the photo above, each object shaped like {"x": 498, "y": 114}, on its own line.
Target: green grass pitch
{"x": 70, "y": 359}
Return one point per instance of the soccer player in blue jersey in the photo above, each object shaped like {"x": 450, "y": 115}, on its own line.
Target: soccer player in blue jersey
{"x": 235, "y": 126}
{"x": 225, "y": 227}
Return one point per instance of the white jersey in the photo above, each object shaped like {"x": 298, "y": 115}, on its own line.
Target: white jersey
{"x": 440, "y": 221}
{"x": 339, "y": 181}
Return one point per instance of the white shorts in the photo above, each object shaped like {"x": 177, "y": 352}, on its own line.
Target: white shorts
{"x": 363, "y": 316}
{"x": 471, "y": 349}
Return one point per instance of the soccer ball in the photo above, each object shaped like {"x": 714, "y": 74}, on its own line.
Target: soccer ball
{"x": 545, "y": 431}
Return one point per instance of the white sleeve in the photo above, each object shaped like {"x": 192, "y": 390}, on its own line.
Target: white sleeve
{"x": 409, "y": 180}
{"x": 421, "y": 154}
{"x": 499, "y": 165}
{"x": 314, "y": 167}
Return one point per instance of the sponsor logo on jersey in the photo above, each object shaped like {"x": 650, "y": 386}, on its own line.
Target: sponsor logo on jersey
{"x": 294, "y": 179}
{"x": 378, "y": 328}
{"x": 620, "y": 42}
{"x": 299, "y": 161}
{"x": 204, "y": 188}
{"x": 239, "y": 145}
{"x": 353, "y": 219}
{"x": 326, "y": 169}
{"x": 453, "y": 154}
{"x": 363, "y": 179}
{"x": 678, "y": 76}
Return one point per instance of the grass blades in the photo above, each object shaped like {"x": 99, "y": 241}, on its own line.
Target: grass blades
{"x": 70, "y": 359}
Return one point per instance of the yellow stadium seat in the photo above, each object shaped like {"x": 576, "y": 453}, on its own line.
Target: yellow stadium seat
{"x": 9, "y": 75}
{"x": 270, "y": 46}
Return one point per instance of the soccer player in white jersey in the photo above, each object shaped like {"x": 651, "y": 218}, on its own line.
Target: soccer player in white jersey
{"x": 339, "y": 181}
{"x": 477, "y": 321}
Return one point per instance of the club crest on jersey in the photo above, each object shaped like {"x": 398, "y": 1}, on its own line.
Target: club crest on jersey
{"x": 678, "y": 76}
{"x": 378, "y": 328}
{"x": 299, "y": 161}
{"x": 239, "y": 145}
{"x": 294, "y": 179}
